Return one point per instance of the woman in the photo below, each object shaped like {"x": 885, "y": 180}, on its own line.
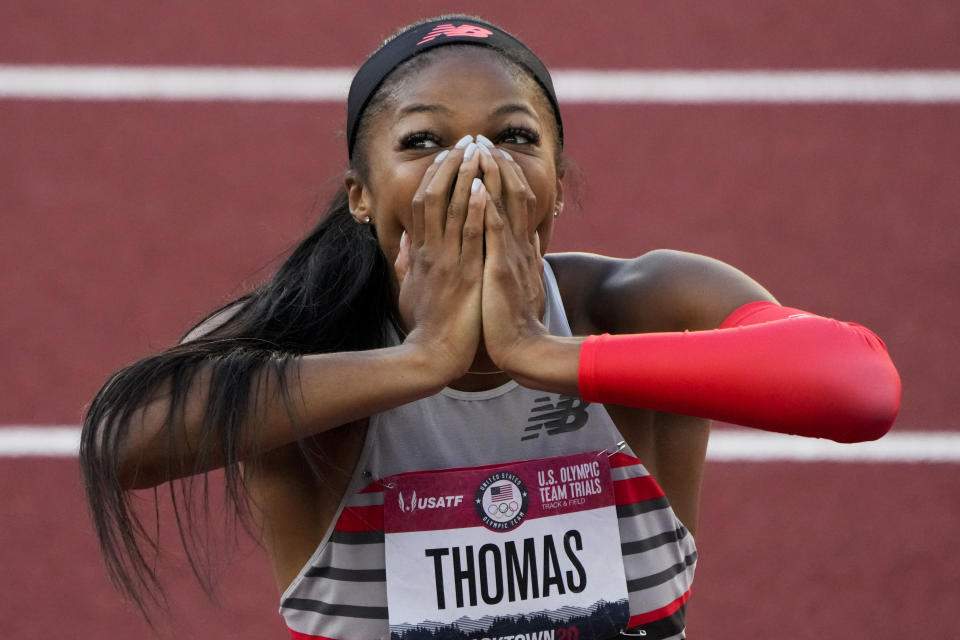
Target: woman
{"x": 422, "y": 327}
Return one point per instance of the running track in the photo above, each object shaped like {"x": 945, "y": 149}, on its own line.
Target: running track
{"x": 126, "y": 219}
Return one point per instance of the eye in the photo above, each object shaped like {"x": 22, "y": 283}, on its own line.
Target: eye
{"x": 518, "y": 135}
{"x": 420, "y": 140}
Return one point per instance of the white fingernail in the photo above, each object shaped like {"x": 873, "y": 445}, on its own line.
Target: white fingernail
{"x": 440, "y": 156}
{"x": 476, "y": 185}
{"x": 484, "y": 140}
{"x": 470, "y": 150}
{"x": 462, "y": 142}
{"x": 403, "y": 235}
{"x": 506, "y": 155}
{"x": 484, "y": 149}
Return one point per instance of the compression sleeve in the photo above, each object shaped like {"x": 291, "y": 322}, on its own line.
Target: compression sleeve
{"x": 767, "y": 366}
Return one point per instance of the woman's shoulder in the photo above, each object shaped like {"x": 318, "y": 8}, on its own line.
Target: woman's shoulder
{"x": 661, "y": 290}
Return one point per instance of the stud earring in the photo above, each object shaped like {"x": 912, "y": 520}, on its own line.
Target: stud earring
{"x": 556, "y": 213}
{"x": 366, "y": 220}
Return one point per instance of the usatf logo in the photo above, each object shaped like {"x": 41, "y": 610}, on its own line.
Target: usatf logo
{"x": 502, "y": 501}
{"x": 451, "y": 31}
{"x": 408, "y": 506}
{"x": 413, "y": 503}
{"x": 568, "y": 414}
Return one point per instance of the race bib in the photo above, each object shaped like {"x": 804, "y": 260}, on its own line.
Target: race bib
{"x": 529, "y": 548}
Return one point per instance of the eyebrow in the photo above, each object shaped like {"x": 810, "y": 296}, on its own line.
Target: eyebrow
{"x": 502, "y": 110}
{"x": 422, "y": 108}
{"x": 507, "y": 109}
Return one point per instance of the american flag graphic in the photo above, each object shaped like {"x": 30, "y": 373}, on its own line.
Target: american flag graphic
{"x": 501, "y": 492}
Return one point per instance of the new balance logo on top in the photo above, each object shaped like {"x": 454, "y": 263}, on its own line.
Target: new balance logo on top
{"x": 568, "y": 414}
{"x": 450, "y": 31}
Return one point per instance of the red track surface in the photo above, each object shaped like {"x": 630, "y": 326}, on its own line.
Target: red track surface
{"x": 125, "y": 222}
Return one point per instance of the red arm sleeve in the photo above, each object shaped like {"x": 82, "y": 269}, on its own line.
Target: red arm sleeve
{"x": 767, "y": 366}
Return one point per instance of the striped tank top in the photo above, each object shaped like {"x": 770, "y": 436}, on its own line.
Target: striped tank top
{"x": 341, "y": 594}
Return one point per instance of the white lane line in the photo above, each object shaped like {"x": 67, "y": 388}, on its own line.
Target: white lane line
{"x": 726, "y": 445}
{"x": 903, "y": 446}
{"x": 16, "y": 441}
{"x": 173, "y": 83}
{"x": 697, "y": 87}
{"x": 596, "y": 86}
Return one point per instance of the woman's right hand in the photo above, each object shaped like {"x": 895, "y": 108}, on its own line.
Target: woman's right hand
{"x": 440, "y": 262}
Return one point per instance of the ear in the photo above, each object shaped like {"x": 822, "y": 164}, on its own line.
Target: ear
{"x": 558, "y": 204}
{"x": 361, "y": 206}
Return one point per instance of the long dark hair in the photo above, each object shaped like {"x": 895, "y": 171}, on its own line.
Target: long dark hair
{"x": 332, "y": 294}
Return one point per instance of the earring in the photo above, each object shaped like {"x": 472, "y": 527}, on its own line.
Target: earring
{"x": 366, "y": 220}
{"x": 556, "y": 213}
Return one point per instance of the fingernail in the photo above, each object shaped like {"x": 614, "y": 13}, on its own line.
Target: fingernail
{"x": 440, "y": 156}
{"x": 476, "y": 185}
{"x": 484, "y": 140}
{"x": 470, "y": 150}
{"x": 506, "y": 155}
{"x": 462, "y": 142}
{"x": 484, "y": 149}
{"x": 403, "y": 235}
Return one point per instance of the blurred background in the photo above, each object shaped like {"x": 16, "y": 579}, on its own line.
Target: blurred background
{"x": 128, "y": 215}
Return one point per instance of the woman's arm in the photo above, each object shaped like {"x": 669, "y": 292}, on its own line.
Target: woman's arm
{"x": 315, "y": 393}
{"x": 766, "y": 366}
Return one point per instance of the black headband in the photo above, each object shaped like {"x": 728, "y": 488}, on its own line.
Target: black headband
{"x": 436, "y": 33}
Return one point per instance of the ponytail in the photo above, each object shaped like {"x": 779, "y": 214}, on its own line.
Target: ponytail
{"x": 331, "y": 294}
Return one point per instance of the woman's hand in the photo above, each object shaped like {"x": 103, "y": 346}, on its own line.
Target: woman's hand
{"x": 440, "y": 263}
{"x": 513, "y": 295}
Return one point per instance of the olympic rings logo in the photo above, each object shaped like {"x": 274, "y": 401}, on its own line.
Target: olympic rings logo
{"x": 503, "y": 509}
{"x": 502, "y": 501}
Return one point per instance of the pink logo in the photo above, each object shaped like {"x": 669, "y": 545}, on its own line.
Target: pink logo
{"x": 450, "y": 31}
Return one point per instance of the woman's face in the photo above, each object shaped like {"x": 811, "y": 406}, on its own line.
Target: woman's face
{"x": 464, "y": 91}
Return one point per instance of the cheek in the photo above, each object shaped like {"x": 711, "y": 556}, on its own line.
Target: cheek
{"x": 545, "y": 233}
{"x": 393, "y": 209}
{"x": 544, "y": 186}
{"x": 393, "y": 204}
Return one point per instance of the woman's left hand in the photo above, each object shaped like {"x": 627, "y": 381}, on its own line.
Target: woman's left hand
{"x": 513, "y": 296}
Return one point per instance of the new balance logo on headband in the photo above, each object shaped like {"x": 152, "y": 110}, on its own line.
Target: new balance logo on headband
{"x": 450, "y": 31}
